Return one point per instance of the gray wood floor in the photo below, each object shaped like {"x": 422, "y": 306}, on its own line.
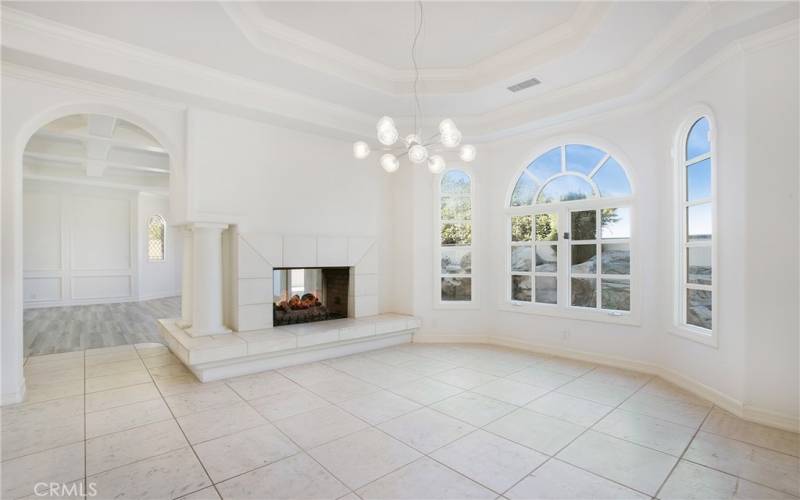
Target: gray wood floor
{"x": 75, "y": 328}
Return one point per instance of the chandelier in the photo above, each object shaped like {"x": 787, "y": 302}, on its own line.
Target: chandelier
{"x": 419, "y": 150}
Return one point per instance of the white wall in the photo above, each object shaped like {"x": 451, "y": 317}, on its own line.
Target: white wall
{"x": 274, "y": 180}
{"x": 158, "y": 278}
{"x": 88, "y": 245}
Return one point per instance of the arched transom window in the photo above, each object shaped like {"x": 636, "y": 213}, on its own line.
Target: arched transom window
{"x": 569, "y": 231}
{"x": 156, "y": 232}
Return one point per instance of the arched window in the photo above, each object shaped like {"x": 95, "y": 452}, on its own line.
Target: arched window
{"x": 695, "y": 226}
{"x": 156, "y": 234}
{"x": 569, "y": 232}
{"x": 454, "y": 249}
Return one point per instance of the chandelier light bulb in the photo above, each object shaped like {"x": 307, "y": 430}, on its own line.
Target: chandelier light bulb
{"x": 387, "y": 136}
{"x": 467, "y": 152}
{"x": 436, "y": 164}
{"x": 412, "y": 139}
{"x": 417, "y": 153}
{"x": 360, "y": 150}
{"x": 384, "y": 123}
{"x": 389, "y": 162}
{"x": 451, "y": 138}
{"x": 446, "y": 125}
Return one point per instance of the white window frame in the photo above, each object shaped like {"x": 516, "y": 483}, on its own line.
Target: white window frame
{"x": 438, "y": 303}
{"x": 564, "y": 308}
{"x": 679, "y": 325}
{"x": 164, "y": 240}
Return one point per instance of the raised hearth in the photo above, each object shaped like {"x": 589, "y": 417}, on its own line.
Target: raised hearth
{"x": 217, "y": 357}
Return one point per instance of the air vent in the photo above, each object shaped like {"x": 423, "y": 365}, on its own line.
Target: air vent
{"x": 524, "y": 85}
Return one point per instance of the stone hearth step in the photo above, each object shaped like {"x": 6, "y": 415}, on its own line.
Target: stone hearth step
{"x": 216, "y": 357}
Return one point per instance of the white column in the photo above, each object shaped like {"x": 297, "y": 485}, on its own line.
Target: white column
{"x": 207, "y": 280}
{"x": 186, "y": 279}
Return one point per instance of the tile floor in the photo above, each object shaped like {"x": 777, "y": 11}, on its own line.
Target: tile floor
{"x": 415, "y": 421}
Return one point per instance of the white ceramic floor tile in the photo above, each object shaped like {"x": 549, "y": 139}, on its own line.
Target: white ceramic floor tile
{"x": 112, "y": 398}
{"x": 117, "y": 380}
{"x": 679, "y": 412}
{"x": 125, "y": 447}
{"x": 426, "y": 391}
{"x": 665, "y": 390}
{"x": 426, "y": 430}
{"x": 557, "y": 480}
{"x": 292, "y": 401}
{"x": 571, "y": 367}
{"x": 465, "y": 378}
{"x": 473, "y": 408}
{"x": 295, "y": 478}
{"x": 115, "y": 367}
{"x": 490, "y": 460}
{"x": 235, "y": 454}
{"x": 541, "y": 377}
{"x": 52, "y": 389}
{"x": 58, "y": 465}
{"x": 510, "y": 391}
{"x": 378, "y": 407}
{"x": 422, "y": 480}
{"x": 317, "y": 427}
{"x": 311, "y": 373}
{"x": 598, "y": 392}
{"x": 690, "y": 481}
{"x": 260, "y": 385}
{"x": 341, "y": 388}
{"x": 540, "y": 432}
{"x": 570, "y": 409}
{"x": 647, "y": 431}
{"x": 617, "y": 376}
{"x": 34, "y": 427}
{"x": 759, "y": 465}
{"x": 629, "y": 464}
{"x": 728, "y": 425}
{"x": 127, "y": 417}
{"x": 169, "y": 386}
{"x": 427, "y": 366}
{"x": 209, "y": 493}
{"x": 362, "y": 457}
{"x": 170, "y": 475}
{"x": 204, "y": 398}
{"x": 217, "y": 422}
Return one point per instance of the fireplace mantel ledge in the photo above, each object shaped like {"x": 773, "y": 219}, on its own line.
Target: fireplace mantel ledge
{"x": 249, "y": 352}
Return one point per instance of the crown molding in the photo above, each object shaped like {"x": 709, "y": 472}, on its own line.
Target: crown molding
{"x": 279, "y": 40}
{"x": 625, "y": 88}
{"x": 29, "y": 34}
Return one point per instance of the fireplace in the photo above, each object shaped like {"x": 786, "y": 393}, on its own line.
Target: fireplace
{"x": 304, "y": 295}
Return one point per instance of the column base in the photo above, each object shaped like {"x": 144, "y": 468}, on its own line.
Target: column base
{"x": 202, "y": 332}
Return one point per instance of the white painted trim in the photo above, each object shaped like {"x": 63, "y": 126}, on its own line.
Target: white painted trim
{"x": 17, "y": 396}
{"x": 281, "y": 40}
{"x": 160, "y": 295}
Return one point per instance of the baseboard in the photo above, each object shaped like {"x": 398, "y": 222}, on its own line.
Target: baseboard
{"x": 160, "y": 295}
{"x": 14, "y": 397}
{"x": 727, "y": 403}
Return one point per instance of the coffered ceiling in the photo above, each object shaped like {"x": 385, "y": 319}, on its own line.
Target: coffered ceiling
{"x": 353, "y": 59}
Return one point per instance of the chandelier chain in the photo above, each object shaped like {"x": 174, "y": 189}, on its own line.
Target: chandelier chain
{"x": 418, "y": 109}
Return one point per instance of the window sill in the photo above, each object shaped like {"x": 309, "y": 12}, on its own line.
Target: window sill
{"x": 629, "y": 319}
{"x": 700, "y": 337}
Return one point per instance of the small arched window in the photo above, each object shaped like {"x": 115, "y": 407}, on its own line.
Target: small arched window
{"x": 695, "y": 226}
{"x": 156, "y": 238}
{"x": 569, "y": 231}
{"x": 454, "y": 279}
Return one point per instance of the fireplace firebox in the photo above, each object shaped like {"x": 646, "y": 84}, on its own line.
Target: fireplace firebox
{"x": 304, "y": 295}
